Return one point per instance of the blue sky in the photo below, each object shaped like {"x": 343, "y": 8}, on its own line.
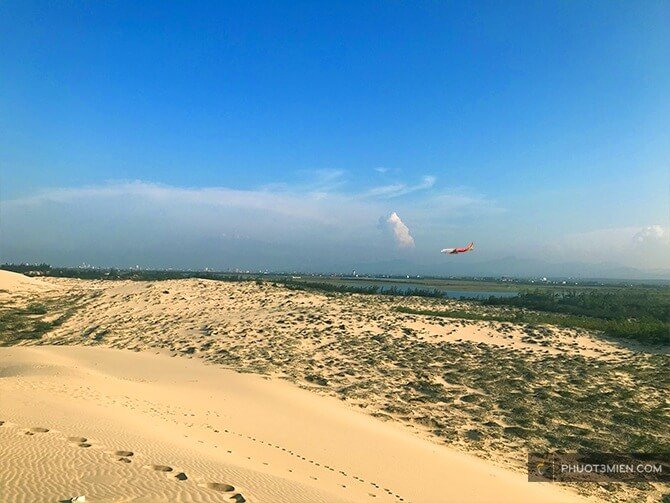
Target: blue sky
{"x": 537, "y": 129}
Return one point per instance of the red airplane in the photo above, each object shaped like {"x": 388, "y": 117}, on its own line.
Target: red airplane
{"x": 456, "y": 251}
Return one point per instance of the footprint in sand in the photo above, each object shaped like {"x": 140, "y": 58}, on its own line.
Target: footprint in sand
{"x": 161, "y": 468}
{"x": 123, "y": 456}
{"x": 38, "y": 429}
{"x": 80, "y": 441}
{"x": 218, "y": 486}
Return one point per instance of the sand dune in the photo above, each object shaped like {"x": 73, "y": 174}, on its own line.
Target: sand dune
{"x": 115, "y": 425}
{"x": 197, "y": 390}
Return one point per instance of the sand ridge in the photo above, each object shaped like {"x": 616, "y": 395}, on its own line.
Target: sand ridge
{"x": 20, "y": 288}
{"x": 13, "y": 282}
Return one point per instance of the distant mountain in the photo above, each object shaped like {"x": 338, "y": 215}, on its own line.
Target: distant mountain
{"x": 512, "y": 267}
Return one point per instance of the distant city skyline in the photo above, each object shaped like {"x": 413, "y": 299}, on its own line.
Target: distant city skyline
{"x": 321, "y": 137}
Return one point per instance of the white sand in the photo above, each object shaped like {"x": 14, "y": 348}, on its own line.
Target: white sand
{"x": 267, "y": 438}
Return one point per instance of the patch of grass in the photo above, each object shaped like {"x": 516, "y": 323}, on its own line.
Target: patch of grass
{"x": 641, "y": 314}
{"x": 517, "y": 317}
{"x": 316, "y": 379}
{"x": 647, "y": 330}
{"x": 18, "y": 324}
{"x": 36, "y": 309}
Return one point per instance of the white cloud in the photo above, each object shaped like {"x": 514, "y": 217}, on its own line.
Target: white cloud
{"x": 315, "y": 180}
{"x": 646, "y": 248}
{"x": 398, "y": 230}
{"x": 386, "y": 190}
{"x": 650, "y": 234}
{"x": 400, "y": 189}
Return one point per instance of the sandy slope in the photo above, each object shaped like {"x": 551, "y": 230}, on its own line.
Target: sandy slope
{"x": 17, "y": 284}
{"x": 268, "y": 439}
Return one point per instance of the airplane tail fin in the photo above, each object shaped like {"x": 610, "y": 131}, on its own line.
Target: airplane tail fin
{"x": 471, "y": 245}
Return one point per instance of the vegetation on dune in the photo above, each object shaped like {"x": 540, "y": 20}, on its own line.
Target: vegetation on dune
{"x": 15, "y": 324}
{"x": 487, "y": 397}
{"x": 19, "y": 324}
{"x": 635, "y": 313}
{"x": 641, "y": 315}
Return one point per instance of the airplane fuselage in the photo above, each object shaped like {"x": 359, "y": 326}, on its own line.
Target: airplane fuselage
{"x": 456, "y": 251}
